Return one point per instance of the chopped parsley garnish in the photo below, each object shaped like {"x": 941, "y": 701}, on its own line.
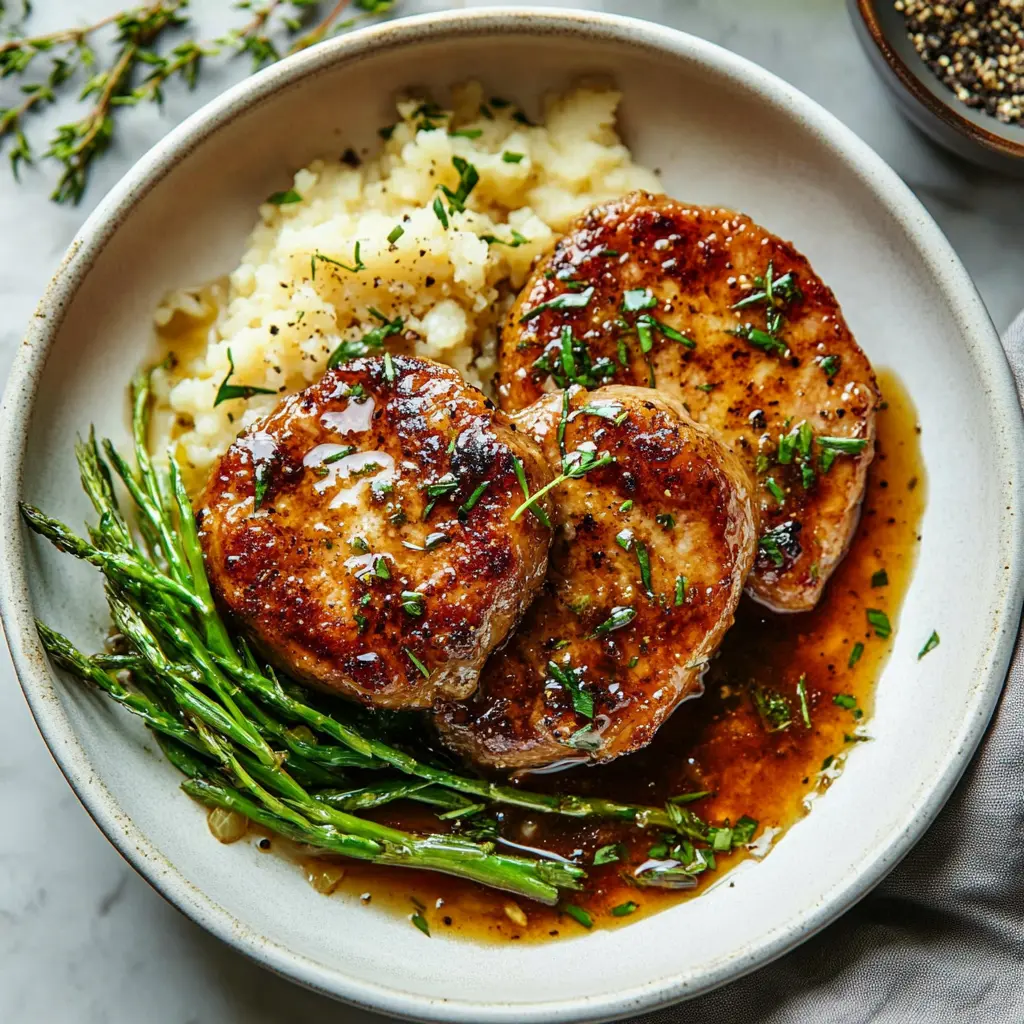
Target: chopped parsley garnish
{"x": 227, "y": 391}
{"x": 537, "y": 511}
{"x": 477, "y": 494}
{"x": 665, "y": 520}
{"x": 421, "y": 922}
{"x": 681, "y": 585}
{"x": 284, "y": 198}
{"x": 569, "y": 678}
{"x": 359, "y": 545}
{"x": 438, "y": 208}
{"x": 880, "y": 578}
{"x": 606, "y": 410}
{"x": 706, "y": 388}
{"x": 569, "y": 362}
{"x": 380, "y": 568}
{"x": 624, "y": 538}
{"x": 774, "y": 294}
{"x": 787, "y": 446}
{"x": 435, "y": 540}
{"x": 467, "y": 133}
{"x": 637, "y": 299}
{"x": 609, "y": 253}
{"x": 412, "y": 602}
{"x": 620, "y": 616}
{"x": 829, "y": 365}
{"x": 389, "y": 368}
{"x": 395, "y": 233}
{"x": 772, "y": 707}
{"x": 357, "y": 265}
{"x": 439, "y": 489}
{"x": 568, "y": 300}
{"x": 743, "y": 831}
{"x": 770, "y": 546}
{"x": 845, "y": 700}
{"x": 261, "y": 482}
{"x": 770, "y": 291}
{"x": 776, "y": 491}
{"x": 929, "y": 645}
{"x": 512, "y": 158}
{"x": 579, "y": 915}
{"x": 801, "y": 692}
{"x": 780, "y": 544}
{"x": 626, "y": 505}
{"x": 420, "y": 667}
{"x": 340, "y": 454}
{"x": 880, "y": 622}
{"x": 517, "y": 240}
{"x": 804, "y": 438}
{"x": 369, "y": 342}
{"x": 430, "y": 114}
{"x": 855, "y": 654}
{"x": 468, "y": 178}
{"x": 644, "y": 561}
{"x": 608, "y": 854}
{"x": 647, "y": 324}
{"x": 842, "y": 445}
{"x": 760, "y": 339}
{"x": 625, "y": 909}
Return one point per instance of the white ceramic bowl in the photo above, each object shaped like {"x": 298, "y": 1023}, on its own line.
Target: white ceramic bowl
{"x": 722, "y": 131}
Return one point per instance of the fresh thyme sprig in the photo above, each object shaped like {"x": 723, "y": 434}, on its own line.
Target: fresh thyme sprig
{"x": 575, "y": 465}
{"x": 138, "y": 71}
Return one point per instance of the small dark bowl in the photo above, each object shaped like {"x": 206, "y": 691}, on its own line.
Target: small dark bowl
{"x": 921, "y": 96}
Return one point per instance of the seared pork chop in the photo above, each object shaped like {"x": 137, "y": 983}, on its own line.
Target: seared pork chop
{"x": 361, "y": 533}
{"x": 646, "y": 570}
{"x": 718, "y": 313}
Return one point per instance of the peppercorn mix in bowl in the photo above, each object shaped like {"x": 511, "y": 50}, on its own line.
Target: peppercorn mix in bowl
{"x": 956, "y": 71}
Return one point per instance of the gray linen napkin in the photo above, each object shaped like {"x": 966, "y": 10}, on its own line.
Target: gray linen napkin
{"x": 942, "y": 938}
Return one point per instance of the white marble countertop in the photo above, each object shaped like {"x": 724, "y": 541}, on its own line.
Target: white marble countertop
{"x": 82, "y": 937}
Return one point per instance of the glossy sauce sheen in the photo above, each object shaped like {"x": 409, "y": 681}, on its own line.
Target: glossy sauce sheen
{"x": 653, "y": 265}
{"x": 324, "y": 541}
{"x": 716, "y": 743}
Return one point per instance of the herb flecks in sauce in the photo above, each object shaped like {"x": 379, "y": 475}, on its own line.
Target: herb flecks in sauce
{"x": 717, "y": 754}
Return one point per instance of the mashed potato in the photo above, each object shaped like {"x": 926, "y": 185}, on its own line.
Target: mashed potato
{"x": 383, "y": 247}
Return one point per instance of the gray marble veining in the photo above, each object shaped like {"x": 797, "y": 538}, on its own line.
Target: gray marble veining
{"x": 82, "y": 938}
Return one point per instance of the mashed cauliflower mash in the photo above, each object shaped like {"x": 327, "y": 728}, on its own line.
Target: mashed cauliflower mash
{"x": 394, "y": 250}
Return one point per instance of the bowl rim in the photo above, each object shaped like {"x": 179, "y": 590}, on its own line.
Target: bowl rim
{"x": 32, "y": 665}
{"x": 946, "y": 111}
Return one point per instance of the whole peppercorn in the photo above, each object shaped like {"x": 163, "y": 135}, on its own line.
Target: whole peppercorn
{"x": 976, "y": 48}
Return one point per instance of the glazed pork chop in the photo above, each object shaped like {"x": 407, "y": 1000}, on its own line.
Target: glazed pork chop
{"x": 361, "y": 534}
{"x": 730, "y": 320}
{"x": 647, "y": 567}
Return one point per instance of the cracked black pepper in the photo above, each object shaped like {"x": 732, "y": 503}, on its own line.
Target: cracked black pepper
{"x": 976, "y": 48}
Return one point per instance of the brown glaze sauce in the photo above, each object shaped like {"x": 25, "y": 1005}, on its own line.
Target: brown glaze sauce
{"x": 716, "y": 743}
